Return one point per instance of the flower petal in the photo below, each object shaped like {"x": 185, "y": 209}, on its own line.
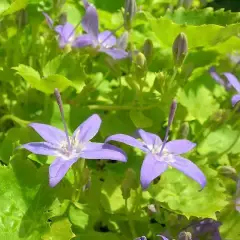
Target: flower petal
{"x": 127, "y": 140}
{"x": 149, "y": 139}
{"x": 190, "y": 169}
{"x": 163, "y": 237}
{"x": 180, "y": 146}
{"x": 88, "y": 129}
{"x": 233, "y": 80}
{"x": 48, "y": 19}
{"x": 151, "y": 168}
{"x": 67, "y": 31}
{"x": 235, "y": 100}
{"x": 115, "y": 53}
{"x": 83, "y": 41}
{"x": 90, "y": 21}
{"x": 48, "y": 133}
{"x": 107, "y": 39}
{"x": 122, "y": 41}
{"x": 41, "y": 148}
{"x": 216, "y": 76}
{"x": 58, "y": 170}
{"x": 58, "y": 29}
{"x": 103, "y": 151}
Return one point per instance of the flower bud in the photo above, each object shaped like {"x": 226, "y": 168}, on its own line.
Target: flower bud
{"x": 228, "y": 171}
{"x": 159, "y": 82}
{"x": 180, "y": 49}
{"x": 141, "y": 65}
{"x": 122, "y": 42}
{"x": 63, "y": 18}
{"x": 185, "y": 236}
{"x": 148, "y": 50}
{"x": 129, "y": 182}
{"x": 129, "y": 13}
{"x": 141, "y": 60}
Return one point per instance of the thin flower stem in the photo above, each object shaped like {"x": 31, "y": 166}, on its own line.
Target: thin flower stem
{"x": 170, "y": 120}
{"x": 175, "y": 71}
{"x": 80, "y": 167}
{"x": 130, "y": 222}
{"x": 60, "y": 105}
{"x": 118, "y": 107}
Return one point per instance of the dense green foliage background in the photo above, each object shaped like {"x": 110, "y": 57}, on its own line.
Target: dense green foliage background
{"x": 126, "y": 97}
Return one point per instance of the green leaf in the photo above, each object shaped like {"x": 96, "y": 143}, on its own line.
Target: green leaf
{"x": 140, "y": 120}
{"x": 181, "y": 194}
{"x": 25, "y": 199}
{"x": 60, "y": 230}
{"x": 230, "y": 219}
{"x": 52, "y": 66}
{"x": 198, "y": 101}
{"x": 203, "y": 16}
{"x": 46, "y": 85}
{"x": 14, "y": 7}
{"x": 112, "y": 199}
{"x": 204, "y": 35}
{"x": 221, "y": 140}
{"x": 21, "y": 207}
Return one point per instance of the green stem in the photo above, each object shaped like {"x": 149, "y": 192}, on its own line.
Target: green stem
{"x": 15, "y": 119}
{"x": 118, "y": 107}
{"x": 175, "y": 71}
{"x": 130, "y": 221}
{"x": 78, "y": 179}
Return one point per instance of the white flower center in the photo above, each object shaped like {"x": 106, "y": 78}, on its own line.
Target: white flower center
{"x": 76, "y": 148}
{"x": 166, "y": 156}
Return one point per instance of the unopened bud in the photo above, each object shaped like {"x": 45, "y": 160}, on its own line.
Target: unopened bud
{"x": 180, "y": 49}
{"x": 141, "y": 66}
{"x": 185, "y": 236}
{"x": 148, "y": 50}
{"x": 122, "y": 42}
{"x": 159, "y": 82}
{"x": 141, "y": 60}
{"x": 63, "y": 18}
{"x": 129, "y": 13}
{"x": 228, "y": 171}
{"x": 184, "y": 130}
{"x": 129, "y": 182}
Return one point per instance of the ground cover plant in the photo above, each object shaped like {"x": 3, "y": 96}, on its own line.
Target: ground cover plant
{"x": 119, "y": 119}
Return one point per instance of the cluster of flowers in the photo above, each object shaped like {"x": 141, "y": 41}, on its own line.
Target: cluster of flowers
{"x": 159, "y": 154}
{"x": 104, "y": 42}
{"x": 68, "y": 149}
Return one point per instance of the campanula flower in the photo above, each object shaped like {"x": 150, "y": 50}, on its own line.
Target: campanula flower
{"x": 162, "y": 154}
{"x": 232, "y": 82}
{"x": 104, "y": 42}
{"x": 68, "y": 149}
{"x": 65, "y": 31}
{"x": 207, "y": 226}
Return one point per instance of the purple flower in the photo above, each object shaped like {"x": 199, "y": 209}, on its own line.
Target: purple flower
{"x": 232, "y": 82}
{"x": 68, "y": 150}
{"x": 207, "y": 226}
{"x": 104, "y": 42}
{"x": 218, "y": 79}
{"x": 236, "y": 85}
{"x": 162, "y": 154}
{"x": 66, "y": 32}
